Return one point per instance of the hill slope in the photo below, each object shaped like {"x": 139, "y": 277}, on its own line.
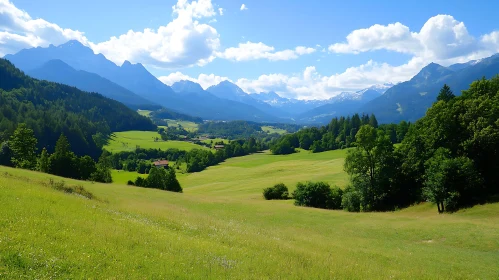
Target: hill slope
{"x": 51, "y": 109}
{"x": 229, "y": 231}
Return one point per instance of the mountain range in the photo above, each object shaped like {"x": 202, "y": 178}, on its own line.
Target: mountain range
{"x": 74, "y": 64}
{"x": 409, "y": 100}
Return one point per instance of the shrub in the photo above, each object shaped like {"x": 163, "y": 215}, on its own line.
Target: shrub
{"x": 351, "y": 200}
{"x": 130, "y": 183}
{"x": 336, "y": 198}
{"x": 318, "y": 195}
{"x": 279, "y": 191}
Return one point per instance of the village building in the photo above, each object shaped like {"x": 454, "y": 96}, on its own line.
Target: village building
{"x": 161, "y": 163}
{"x": 219, "y": 147}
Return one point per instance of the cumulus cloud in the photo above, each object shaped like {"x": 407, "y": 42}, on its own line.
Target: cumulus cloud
{"x": 253, "y": 51}
{"x": 243, "y": 7}
{"x": 205, "y": 80}
{"x": 442, "y": 39}
{"x": 18, "y": 31}
{"x": 221, "y": 11}
{"x": 182, "y": 42}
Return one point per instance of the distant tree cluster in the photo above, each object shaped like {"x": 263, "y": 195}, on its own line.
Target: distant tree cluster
{"x": 159, "y": 178}
{"x": 169, "y": 114}
{"x": 338, "y": 134}
{"x": 231, "y": 130}
{"x": 449, "y": 157}
{"x": 21, "y": 152}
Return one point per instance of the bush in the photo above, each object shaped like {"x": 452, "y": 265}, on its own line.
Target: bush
{"x": 318, "y": 195}
{"x": 130, "y": 183}
{"x": 351, "y": 200}
{"x": 336, "y": 198}
{"x": 279, "y": 191}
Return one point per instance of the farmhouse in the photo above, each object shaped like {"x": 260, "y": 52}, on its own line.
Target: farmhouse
{"x": 219, "y": 147}
{"x": 161, "y": 163}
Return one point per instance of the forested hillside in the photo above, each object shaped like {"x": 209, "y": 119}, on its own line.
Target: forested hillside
{"x": 51, "y": 109}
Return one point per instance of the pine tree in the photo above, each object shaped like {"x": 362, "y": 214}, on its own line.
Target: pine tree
{"x": 445, "y": 94}
{"x": 23, "y": 146}
{"x": 43, "y": 162}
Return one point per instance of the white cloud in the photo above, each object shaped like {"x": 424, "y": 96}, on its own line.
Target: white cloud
{"x": 182, "y": 42}
{"x": 253, "y": 51}
{"x": 18, "y": 31}
{"x": 205, "y": 80}
{"x": 311, "y": 85}
{"x": 442, "y": 39}
{"x": 221, "y": 11}
{"x": 243, "y": 7}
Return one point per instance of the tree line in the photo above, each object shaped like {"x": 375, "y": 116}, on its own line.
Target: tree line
{"x": 21, "y": 152}
{"x": 449, "y": 157}
{"x": 338, "y": 134}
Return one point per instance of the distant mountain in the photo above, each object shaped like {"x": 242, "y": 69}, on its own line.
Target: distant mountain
{"x": 58, "y": 71}
{"x": 135, "y": 78}
{"x": 410, "y": 100}
{"x": 346, "y": 103}
{"x": 51, "y": 109}
{"x": 186, "y": 86}
{"x": 230, "y": 91}
{"x": 460, "y": 66}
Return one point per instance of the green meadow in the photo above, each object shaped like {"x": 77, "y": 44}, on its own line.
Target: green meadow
{"x": 189, "y": 126}
{"x": 129, "y": 140}
{"x": 144, "y": 113}
{"x": 221, "y": 227}
{"x": 271, "y": 129}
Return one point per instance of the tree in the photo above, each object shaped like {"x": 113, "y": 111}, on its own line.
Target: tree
{"x": 445, "y": 94}
{"x": 43, "y": 162}
{"x": 86, "y": 166}
{"x": 312, "y": 194}
{"x": 278, "y": 191}
{"x": 373, "y": 121}
{"x": 370, "y": 166}
{"x": 172, "y": 184}
{"x": 63, "y": 160}
{"x": 156, "y": 179}
{"x": 23, "y": 146}
{"x": 103, "y": 169}
{"x": 447, "y": 179}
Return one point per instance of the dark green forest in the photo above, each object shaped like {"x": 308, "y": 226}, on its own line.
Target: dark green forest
{"x": 338, "y": 134}
{"x": 449, "y": 157}
{"x": 52, "y": 109}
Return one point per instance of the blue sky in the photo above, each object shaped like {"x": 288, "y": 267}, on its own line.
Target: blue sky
{"x": 303, "y": 49}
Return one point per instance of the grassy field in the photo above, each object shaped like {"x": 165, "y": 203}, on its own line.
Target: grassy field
{"x": 189, "y": 126}
{"x": 220, "y": 227}
{"x": 128, "y": 140}
{"x": 121, "y": 177}
{"x": 271, "y": 129}
{"x": 145, "y": 113}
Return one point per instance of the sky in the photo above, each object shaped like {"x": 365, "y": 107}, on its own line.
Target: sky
{"x": 310, "y": 49}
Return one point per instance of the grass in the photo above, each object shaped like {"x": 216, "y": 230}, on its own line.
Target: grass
{"x": 189, "y": 126}
{"x": 221, "y": 227}
{"x": 129, "y": 140}
{"x": 271, "y": 129}
{"x": 121, "y": 177}
{"x": 215, "y": 140}
{"x": 144, "y": 113}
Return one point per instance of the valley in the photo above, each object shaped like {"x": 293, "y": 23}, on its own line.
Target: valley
{"x": 218, "y": 228}
{"x": 213, "y": 139}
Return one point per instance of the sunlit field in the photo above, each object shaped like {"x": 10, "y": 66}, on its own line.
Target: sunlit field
{"x": 129, "y": 140}
{"x": 221, "y": 227}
